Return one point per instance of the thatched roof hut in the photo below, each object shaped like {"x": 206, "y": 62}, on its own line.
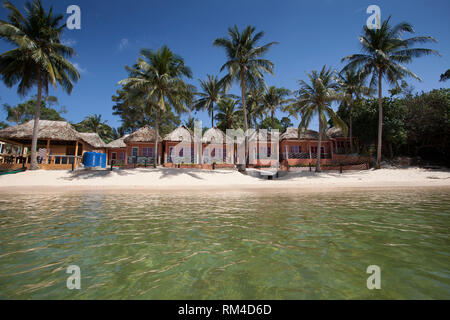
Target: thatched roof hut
{"x": 214, "y": 135}
{"x": 119, "y": 143}
{"x": 144, "y": 134}
{"x": 54, "y": 130}
{"x": 180, "y": 134}
{"x": 292, "y": 134}
{"x": 92, "y": 138}
{"x": 335, "y": 132}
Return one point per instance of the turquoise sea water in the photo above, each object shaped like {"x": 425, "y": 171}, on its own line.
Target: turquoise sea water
{"x": 226, "y": 245}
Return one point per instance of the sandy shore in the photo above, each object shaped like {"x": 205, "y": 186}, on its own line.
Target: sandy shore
{"x": 164, "y": 179}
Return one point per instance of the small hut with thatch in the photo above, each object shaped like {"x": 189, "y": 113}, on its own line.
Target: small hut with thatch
{"x": 341, "y": 143}
{"x": 117, "y": 150}
{"x": 179, "y": 146}
{"x": 140, "y": 146}
{"x": 93, "y": 141}
{"x": 214, "y": 147}
{"x": 261, "y": 150}
{"x": 59, "y": 144}
{"x": 302, "y": 148}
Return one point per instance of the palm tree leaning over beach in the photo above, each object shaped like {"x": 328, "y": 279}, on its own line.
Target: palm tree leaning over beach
{"x": 383, "y": 54}
{"x": 274, "y": 99}
{"x": 315, "y": 99}
{"x": 213, "y": 92}
{"x": 352, "y": 85}
{"x": 157, "y": 80}
{"x": 245, "y": 64}
{"x": 38, "y": 59}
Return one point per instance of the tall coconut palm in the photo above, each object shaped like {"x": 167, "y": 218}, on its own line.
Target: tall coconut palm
{"x": 383, "y": 54}
{"x": 157, "y": 79}
{"x": 274, "y": 99}
{"x": 39, "y": 57}
{"x": 352, "y": 85}
{"x": 315, "y": 99}
{"x": 213, "y": 92}
{"x": 228, "y": 116}
{"x": 245, "y": 64}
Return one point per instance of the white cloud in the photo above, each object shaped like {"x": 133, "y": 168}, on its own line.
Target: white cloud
{"x": 124, "y": 43}
{"x": 79, "y": 68}
{"x": 69, "y": 42}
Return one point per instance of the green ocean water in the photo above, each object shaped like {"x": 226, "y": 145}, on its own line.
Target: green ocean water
{"x": 231, "y": 245}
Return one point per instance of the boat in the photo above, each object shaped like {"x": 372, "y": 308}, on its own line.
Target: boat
{"x": 5, "y": 172}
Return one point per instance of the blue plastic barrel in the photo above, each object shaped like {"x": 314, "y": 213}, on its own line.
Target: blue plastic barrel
{"x": 89, "y": 159}
{"x": 103, "y": 160}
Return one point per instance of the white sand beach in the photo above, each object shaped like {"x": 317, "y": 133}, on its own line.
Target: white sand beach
{"x": 191, "y": 179}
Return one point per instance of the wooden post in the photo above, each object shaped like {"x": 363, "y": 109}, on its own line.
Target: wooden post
{"x": 75, "y": 160}
{"x": 48, "y": 150}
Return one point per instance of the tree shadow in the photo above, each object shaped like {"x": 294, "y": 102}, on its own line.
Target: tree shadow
{"x": 93, "y": 174}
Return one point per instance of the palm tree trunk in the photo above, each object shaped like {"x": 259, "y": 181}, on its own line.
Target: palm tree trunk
{"x": 155, "y": 158}
{"x": 212, "y": 118}
{"x": 34, "y": 165}
{"x": 319, "y": 145}
{"x": 351, "y": 129}
{"x": 244, "y": 108}
{"x": 271, "y": 115}
{"x": 380, "y": 121}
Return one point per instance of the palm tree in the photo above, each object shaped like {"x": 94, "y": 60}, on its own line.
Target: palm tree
{"x": 245, "y": 64}
{"x": 274, "y": 99}
{"x": 39, "y": 57}
{"x": 228, "y": 115}
{"x": 315, "y": 99}
{"x": 213, "y": 92}
{"x": 352, "y": 85}
{"x": 383, "y": 54}
{"x": 255, "y": 106}
{"x": 157, "y": 81}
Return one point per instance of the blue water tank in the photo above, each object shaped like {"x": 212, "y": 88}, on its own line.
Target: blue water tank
{"x": 97, "y": 159}
{"x": 103, "y": 160}
{"x": 89, "y": 159}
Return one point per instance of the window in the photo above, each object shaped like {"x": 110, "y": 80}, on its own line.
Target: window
{"x": 295, "y": 149}
{"x": 114, "y": 156}
{"x": 135, "y": 151}
{"x": 314, "y": 150}
{"x": 269, "y": 151}
{"x": 122, "y": 156}
{"x": 169, "y": 157}
{"x": 213, "y": 153}
{"x": 181, "y": 152}
{"x": 147, "y": 152}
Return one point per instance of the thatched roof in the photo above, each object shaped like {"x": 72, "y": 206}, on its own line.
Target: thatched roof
{"x": 144, "y": 134}
{"x": 119, "y": 143}
{"x": 92, "y": 138}
{"x": 292, "y": 134}
{"x": 54, "y": 130}
{"x": 335, "y": 132}
{"x": 214, "y": 135}
{"x": 261, "y": 135}
{"x": 180, "y": 134}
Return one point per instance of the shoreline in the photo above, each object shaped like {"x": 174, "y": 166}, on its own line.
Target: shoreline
{"x": 285, "y": 189}
{"x": 164, "y": 180}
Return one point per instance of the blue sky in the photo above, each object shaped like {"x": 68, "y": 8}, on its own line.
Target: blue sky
{"x": 310, "y": 34}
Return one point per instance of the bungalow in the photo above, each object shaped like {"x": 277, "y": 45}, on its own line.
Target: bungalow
{"x": 302, "y": 150}
{"x": 214, "y": 148}
{"x": 59, "y": 144}
{"x": 179, "y": 147}
{"x": 116, "y": 150}
{"x": 140, "y": 146}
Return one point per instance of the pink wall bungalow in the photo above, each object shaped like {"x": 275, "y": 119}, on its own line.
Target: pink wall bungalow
{"x": 140, "y": 147}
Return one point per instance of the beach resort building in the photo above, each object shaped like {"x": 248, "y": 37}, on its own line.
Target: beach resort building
{"x": 59, "y": 145}
{"x": 140, "y": 147}
{"x": 117, "y": 151}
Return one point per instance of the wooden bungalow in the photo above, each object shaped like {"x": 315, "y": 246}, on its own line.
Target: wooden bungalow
{"x": 117, "y": 150}
{"x": 140, "y": 147}
{"x": 261, "y": 150}
{"x": 302, "y": 150}
{"x": 340, "y": 143}
{"x": 214, "y": 148}
{"x": 59, "y": 144}
{"x": 179, "y": 147}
